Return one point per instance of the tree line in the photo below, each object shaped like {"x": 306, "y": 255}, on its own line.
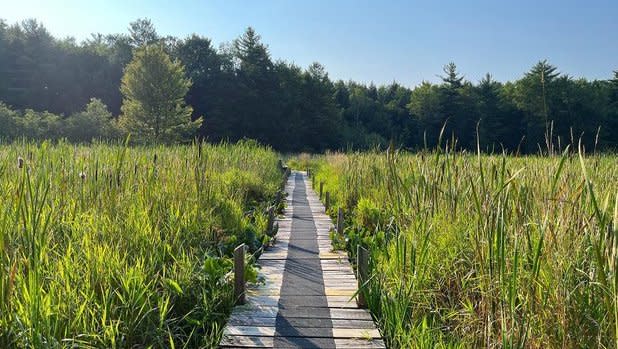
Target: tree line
{"x": 58, "y": 88}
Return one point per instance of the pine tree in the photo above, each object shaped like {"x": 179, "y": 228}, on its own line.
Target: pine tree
{"x": 454, "y": 107}
{"x": 154, "y": 88}
{"x": 257, "y": 89}
{"x": 452, "y": 78}
{"x": 536, "y": 97}
{"x": 611, "y": 114}
{"x": 500, "y": 124}
{"x": 252, "y": 54}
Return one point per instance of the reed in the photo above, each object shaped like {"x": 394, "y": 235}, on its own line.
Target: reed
{"x": 472, "y": 250}
{"x": 103, "y": 247}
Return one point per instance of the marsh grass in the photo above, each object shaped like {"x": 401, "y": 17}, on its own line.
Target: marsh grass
{"x": 471, "y": 250}
{"x": 109, "y": 246}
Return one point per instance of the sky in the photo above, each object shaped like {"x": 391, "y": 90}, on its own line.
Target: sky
{"x": 371, "y": 41}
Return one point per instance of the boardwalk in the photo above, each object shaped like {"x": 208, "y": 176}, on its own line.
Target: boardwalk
{"x": 305, "y": 301}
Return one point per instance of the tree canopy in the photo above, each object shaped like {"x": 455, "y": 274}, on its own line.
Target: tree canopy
{"x": 154, "y": 89}
{"x": 242, "y": 92}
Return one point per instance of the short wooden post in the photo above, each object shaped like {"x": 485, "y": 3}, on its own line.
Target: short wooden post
{"x": 239, "y": 274}
{"x": 327, "y": 201}
{"x": 321, "y": 189}
{"x": 271, "y": 221}
{"x": 340, "y": 221}
{"x": 308, "y": 172}
{"x": 362, "y": 269}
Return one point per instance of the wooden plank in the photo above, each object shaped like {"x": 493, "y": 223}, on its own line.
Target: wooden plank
{"x": 358, "y": 343}
{"x": 273, "y": 311}
{"x": 330, "y": 291}
{"x": 305, "y": 301}
{"x": 270, "y": 331}
{"x": 295, "y": 342}
{"x": 246, "y": 342}
{"x": 250, "y": 320}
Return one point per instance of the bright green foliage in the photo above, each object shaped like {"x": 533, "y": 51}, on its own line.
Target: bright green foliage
{"x": 95, "y": 122}
{"x": 483, "y": 251}
{"x": 154, "y": 88}
{"x": 8, "y": 121}
{"x": 115, "y": 247}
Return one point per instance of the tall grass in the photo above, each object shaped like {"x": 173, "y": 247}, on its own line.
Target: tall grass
{"x": 484, "y": 250}
{"x": 108, "y": 246}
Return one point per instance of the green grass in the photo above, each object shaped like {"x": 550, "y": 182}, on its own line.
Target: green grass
{"x": 483, "y": 251}
{"x": 108, "y": 246}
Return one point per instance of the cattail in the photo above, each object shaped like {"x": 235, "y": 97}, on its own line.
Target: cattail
{"x": 82, "y": 175}
{"x": 20, "y": 162}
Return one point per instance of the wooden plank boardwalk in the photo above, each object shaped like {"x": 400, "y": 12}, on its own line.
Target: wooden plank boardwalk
{"x": 305, "y": 299}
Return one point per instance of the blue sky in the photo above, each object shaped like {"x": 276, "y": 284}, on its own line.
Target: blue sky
{"x": 372, "y": 41}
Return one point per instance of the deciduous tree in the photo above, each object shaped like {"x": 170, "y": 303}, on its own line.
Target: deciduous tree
{"x": 154, "y": 88}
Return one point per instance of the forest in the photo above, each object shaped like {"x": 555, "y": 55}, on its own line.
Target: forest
{"x": 58, "y": 88}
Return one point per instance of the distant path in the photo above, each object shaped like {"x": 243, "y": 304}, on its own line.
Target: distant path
{"x": 305, "y": 301}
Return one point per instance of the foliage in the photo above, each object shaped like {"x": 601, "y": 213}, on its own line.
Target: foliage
{"x": 114, "y": 247}
{"x": 242, "y": 92}
{"x": 95, "y": 122}
{"x": 483, "y": 251}
{"x": 154, "y": 89}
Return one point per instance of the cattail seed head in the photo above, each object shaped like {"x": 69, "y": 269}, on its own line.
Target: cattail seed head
{"x": 20, "y": 162}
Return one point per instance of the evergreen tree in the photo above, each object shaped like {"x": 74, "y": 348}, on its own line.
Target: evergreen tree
{"x": 455, "y": 107}
{"x": 256, "y": 88}
{"x": 154, "y": 88}
{"x": 534, "y": 95}
{"x": 500, "y": 126}
{"x": 611, "y": 114}
{"x": 252, "y": 54}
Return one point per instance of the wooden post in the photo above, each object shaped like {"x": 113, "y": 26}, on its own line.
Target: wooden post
{"x": 321, "y": 188}
{"x": 362, "y": 268}
{"x": 340, "y": 221}
{"x": 308, "y": 173}
{"x": 271, "y": 221}
{"x": 327, "y": 201}
{"x": 239, "y": 274}
{"x": 280, "y": 163}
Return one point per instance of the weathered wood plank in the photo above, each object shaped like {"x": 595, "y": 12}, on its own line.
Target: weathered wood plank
{"x": 273, "y": 311}
{"x": 252, "y": 320}
{"x": 284, "y": 331}
{"x": 295, "y": 342}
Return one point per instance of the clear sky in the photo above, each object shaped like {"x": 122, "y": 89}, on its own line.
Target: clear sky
{"x": 371, "y": 41}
